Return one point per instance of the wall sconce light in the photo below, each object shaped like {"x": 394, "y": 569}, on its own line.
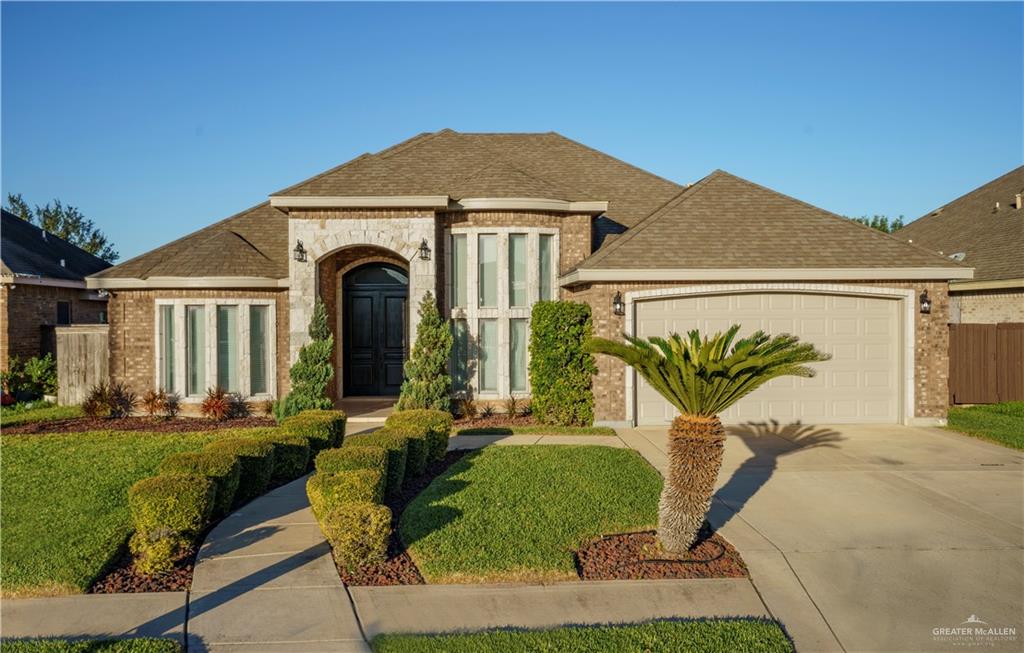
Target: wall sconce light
{"x": 299, "y": 253}
{"x": 926, "y": 302}
{"x": 618, "y": 306}
{"x": 424, "y": 251}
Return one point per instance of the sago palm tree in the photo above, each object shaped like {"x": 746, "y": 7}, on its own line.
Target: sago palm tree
{"x": 702, "y": 377}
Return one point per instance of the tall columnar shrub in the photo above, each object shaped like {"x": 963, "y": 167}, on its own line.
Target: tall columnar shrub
{"x": 560, "y": 369}
{"x": 313, "y": 371}
{"x": 427, "y": 383}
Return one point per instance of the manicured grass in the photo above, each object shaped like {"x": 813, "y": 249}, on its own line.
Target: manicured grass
{"x": 39, "y": 411}
{"x": 518, "y": 513}
{"x": 537, "y": 430}
{"x": 712, "y": 636}
{"x": 999, "y": 423}
{"x": 140, "y": 645}
{"x": 65, "y": 506}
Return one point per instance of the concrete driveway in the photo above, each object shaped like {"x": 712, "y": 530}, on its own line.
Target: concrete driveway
{"x": 874, "y": 538}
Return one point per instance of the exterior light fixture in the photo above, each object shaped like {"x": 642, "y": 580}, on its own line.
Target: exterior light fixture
{"x": 618, "y": 305}
{"x": 926, "y": 302}
{"x": 424, "y": 251}
{"x": 299, "y": 253}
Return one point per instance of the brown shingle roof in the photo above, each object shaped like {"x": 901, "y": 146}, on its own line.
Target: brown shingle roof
{"x": 992, "y": 240}
{"x": 724, "y": 221}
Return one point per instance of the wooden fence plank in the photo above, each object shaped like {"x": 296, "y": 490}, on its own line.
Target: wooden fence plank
{"x": 82, "y": 360}
{"x": 1010, "y": 361}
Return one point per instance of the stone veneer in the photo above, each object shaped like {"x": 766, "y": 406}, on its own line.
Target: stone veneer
{"x": 931, "y": 346}
{"x": 132, "y": 317}
{"x": 26, "y": 308}
{"x": 987, "y": 306}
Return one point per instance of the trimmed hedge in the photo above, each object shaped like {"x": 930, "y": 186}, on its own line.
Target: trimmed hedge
{"x": 291, "y": 455}
{"x": 256, "y": 459}
{"x": 346, "y": 459}
{"x": 396, "y": 448}
{"x": 328, "y": 491}
{"x": 324, "y": 429}
{"x": 222, "y": 468}
{"x": 358, "y": 533}
{"x": 438, "y": 424}
{"x": 560, "y": 370}
{"x": 419, "y": 446}
{"x": 168, "y": 512}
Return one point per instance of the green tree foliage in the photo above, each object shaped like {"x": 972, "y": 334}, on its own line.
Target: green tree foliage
{"x": 881, "y": 223}
{"x": 427, "y": 383}
{"x": 66, "y": 222}
{"x": 560, "y": 369}
{"x": 312, "y": 372}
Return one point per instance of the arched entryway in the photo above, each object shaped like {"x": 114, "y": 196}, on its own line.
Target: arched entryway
{"x": 374, "y": 329}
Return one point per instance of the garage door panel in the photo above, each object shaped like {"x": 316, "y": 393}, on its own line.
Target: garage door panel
{"x": 859, "y": 384}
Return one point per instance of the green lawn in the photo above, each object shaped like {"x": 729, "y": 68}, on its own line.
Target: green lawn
{"x": 518, "y": 513}
{"x": 36, "y": 412}
{"x": 65, "y": 504}
{"x": 999, "y": 423}
{"x": 537, "y": 430}
{"x": 140, "y": 645}
{"x": 712, "y": 636}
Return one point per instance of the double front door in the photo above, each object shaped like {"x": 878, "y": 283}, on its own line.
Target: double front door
{"x": 374, "y": 344}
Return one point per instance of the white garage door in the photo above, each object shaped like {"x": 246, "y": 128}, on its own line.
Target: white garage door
{"x": 860, "y": 384}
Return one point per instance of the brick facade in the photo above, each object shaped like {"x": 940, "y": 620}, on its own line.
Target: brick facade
{"x": 988, "y": 306}
{"x": 132, "y": 317}
{"x": 931, "y": 350}
{"x": 27, "y": 308}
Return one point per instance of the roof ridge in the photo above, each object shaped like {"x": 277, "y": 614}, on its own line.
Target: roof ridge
{"x": 652, "y": 217}
{"x": 418, "y": 139}
{"x": 875, "y": 233}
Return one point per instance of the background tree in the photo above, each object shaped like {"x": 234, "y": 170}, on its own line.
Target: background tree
{"x": 702, "y": 378}
{"x": 312, "y": 371}
{"x": 65, "y": 222}
{"x": 880, "y": 222}
{"x": 427, "y": 382}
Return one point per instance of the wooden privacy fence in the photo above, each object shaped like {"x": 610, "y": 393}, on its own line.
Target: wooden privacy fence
{"x": 82, "y": 360}
{"x": 986, "y": 363}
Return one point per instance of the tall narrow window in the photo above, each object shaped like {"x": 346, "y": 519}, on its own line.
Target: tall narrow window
{"x": 460, "y": 355}
{"x": 459, "y": 271}
{"x": 519, "y": 341}
{"x": 195, "y": 345}
{"x": 517, "y": 270}
{"x": 258, "y": 317}
{"x": 488, "y": 355}
{"x": 227, "y": 348}
{"x": 167, "y": 348}
{"x": 487, "y": 277}
{"x": 63, "y": 312}
{"x": 545, "y": 252}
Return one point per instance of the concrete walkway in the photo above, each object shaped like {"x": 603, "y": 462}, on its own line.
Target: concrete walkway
{"x": 868, "y": 538}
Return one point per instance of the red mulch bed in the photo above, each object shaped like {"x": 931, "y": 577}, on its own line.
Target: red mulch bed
{"x": 498, "y": 419}
{"x": 636, "y": 556}
{"x": 155, "y": 425}
{"x": 122, "y": 577}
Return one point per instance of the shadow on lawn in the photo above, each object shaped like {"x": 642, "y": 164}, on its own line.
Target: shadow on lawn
{"x": 429, "y": 515}
{"x": 768, "y": 441}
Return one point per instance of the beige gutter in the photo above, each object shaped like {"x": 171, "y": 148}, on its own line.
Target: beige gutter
{"x": 587, "y": 275}
{"x": 436, "y": 202}
{"x": 995, "y": 284}
{"x": 526, "y": 204}
{"x": 123, "y": 283}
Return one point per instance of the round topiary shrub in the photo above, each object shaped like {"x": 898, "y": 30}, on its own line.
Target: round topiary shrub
{"x": 396, "y": 448}
{"x": 221, "y": 468}
{"x": 358, "y": 533}
{"x": 256, "y": 459}
{"x": 328, "y": 491}
{"x": 167, "y": 512}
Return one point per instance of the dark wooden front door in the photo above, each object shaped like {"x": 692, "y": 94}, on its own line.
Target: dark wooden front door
{"x": 374, "y": 325}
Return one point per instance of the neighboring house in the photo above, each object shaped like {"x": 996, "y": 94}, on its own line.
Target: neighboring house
{"x": 491, "y": 223}
{"x": 43, "y": 284}
{"x": 985, "y": 230}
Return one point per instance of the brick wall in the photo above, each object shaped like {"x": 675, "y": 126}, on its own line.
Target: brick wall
{"x": 132, "y": 318}
{"x": 931, "y": 353}
{"x": 989, "y": 306}
{"x": 27, "y": 308}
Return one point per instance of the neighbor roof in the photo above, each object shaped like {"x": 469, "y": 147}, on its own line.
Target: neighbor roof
{"x": 27, "y": 250}
{"x": 725, "y": 222}
{"x": 991, "y": 239}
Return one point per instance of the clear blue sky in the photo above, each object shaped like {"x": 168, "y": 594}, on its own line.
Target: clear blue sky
{"x": 158, "y": 119}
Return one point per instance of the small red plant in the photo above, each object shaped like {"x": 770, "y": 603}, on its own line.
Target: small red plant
{"x": 217, "y": 405}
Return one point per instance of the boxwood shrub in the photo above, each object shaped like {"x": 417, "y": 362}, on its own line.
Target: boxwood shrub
{"x": 291, "y": 455}
{"x": 358, "y": 533}
{"x": 560, "y": 370}
{"x": 348, "y": 458}
{"x": 328, "y": 491}
{"x": 168, "y": 512}
{"x": 419, "y": 446}
{"x": 323, "y": 428}
{"x": 221, "y": 468}
{"x": 256, "y": 459}
{"x": 396, "y": 448}
{"x": 437, "y": 423}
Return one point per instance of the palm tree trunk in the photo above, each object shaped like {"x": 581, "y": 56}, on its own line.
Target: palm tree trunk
{"x": 695, "y": 446}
